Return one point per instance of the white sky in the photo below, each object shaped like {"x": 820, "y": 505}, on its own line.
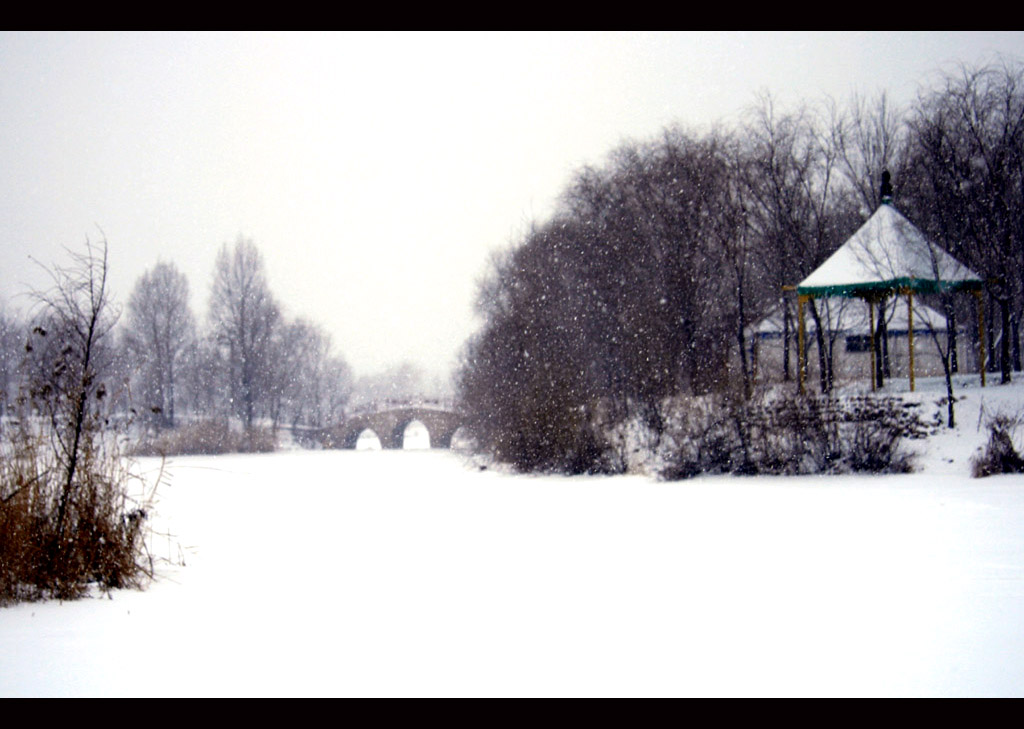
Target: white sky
{"x": 375, "y": 172}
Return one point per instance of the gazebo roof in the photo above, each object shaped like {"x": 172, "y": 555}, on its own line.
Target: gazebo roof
{"x": 888, "y": 254}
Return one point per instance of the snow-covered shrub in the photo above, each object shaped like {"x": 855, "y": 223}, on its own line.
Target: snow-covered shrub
{"x": 1000, "y": 454}
{"x": 766, "y": 434}
{"x": 791, "y": 435}
{"x": 636, "y": 444}
{"x": 701, "y": 437}
{"x": 874, "y": 429}
{"x": 776, "y": 434}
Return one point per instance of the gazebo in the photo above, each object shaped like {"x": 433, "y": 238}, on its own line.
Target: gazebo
{"x": 887, "y": 256}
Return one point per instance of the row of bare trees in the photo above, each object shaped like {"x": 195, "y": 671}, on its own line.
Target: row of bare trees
{"x": 641, "y": 287}
{"x": 249, "y": 361}
{"x": 252, "y": 363}
{"x": 965, "y": 142}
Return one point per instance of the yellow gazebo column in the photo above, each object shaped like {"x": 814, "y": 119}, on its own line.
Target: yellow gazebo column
{"x": 801, "y": 299}
{"x": 910, "y": 334}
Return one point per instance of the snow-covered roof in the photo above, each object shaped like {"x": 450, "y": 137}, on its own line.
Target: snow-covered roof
{"x": 885, "y": 254}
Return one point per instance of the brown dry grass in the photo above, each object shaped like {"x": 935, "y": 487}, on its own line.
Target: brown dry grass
{"x": 102, "y": 541}
{"x": 206, "y": 438}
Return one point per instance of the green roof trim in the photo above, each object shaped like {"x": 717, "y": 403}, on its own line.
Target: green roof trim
{"x": 917, "y": 285}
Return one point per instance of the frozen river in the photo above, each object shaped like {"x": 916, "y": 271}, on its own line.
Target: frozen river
{"x": 416, "y": 573}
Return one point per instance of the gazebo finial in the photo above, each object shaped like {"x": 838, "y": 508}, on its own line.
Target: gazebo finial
{"x": 886, "y": 191}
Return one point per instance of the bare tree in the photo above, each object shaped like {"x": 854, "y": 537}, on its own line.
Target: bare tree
{"x": 301, "y": 377}
{"x": 336, "y": 392}
{"x": 968, "y": 146}
{"x": 204, "y": 373}
{"x": 243, "y": 316}
{"x": 12, "y": 332}
{"x": 626, "y": 298}
{"x": 67, "y": 521}
{"x": 801, "y": 212}
{"x": 161, "y": 327}
{"x": 402, "y": 382}
{"x": 869, "y": 138}
{"x": 68, "y": 355}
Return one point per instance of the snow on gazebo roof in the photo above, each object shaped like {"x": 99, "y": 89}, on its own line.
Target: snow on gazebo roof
{"x": 887, "y": 254}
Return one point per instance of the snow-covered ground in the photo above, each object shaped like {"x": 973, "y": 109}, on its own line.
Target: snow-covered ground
{"x": 415, "y": 573}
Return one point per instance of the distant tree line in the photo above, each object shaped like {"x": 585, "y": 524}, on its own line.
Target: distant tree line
{"x": 161, "y": 367}
{"x": 403, "y": 383}
{"x": 641, "y": 286}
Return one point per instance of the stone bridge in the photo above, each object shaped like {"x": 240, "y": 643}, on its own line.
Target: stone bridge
{"x": 390, "y": 425}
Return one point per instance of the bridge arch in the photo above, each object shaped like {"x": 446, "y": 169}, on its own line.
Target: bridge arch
{"x": 414, "y": 435}
{"x": 367, "y": 440}
{"x": 389, "y": 426}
